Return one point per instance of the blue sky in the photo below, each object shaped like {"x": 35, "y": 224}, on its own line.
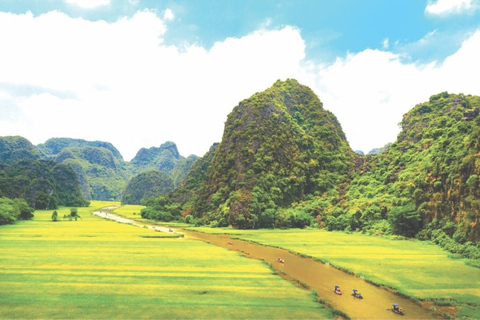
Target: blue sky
{"x": 173, "y": 70}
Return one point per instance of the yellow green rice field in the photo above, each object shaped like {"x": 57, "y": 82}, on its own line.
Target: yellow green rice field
{"x": 416, "y": 269}
{"x": 94, "y": 268}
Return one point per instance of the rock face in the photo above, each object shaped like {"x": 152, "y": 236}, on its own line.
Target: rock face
{"x": 278, "y": 147}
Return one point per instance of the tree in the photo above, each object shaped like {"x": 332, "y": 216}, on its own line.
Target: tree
{"x": 22, "y": 209}
{"x": 74, "y": 214}
{"x": 405, "y": 220}
{"x": 55, "y": 216}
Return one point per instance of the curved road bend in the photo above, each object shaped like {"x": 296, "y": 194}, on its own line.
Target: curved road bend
{"x": 313, "y": 274}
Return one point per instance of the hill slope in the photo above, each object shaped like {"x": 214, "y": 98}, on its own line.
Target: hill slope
{"x": 148, "y": 184}
{"x": 14, "y": 148}
{"x": 425, "y": 183}
{"x": 278, "y": 147}
{"x": 43, "y": 184}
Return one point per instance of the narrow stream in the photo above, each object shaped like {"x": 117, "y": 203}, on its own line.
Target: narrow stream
{"x": 377, "y": 301}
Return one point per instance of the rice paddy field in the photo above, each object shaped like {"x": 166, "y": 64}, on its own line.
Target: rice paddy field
{"x": 416, "y": 269}
{"x": 98, "y": 269}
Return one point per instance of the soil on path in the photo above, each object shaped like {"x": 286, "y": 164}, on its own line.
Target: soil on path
{"x": 309, "y": 274}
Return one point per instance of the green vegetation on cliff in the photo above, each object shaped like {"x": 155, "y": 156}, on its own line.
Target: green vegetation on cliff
{"x": 165, "y": 158}
{"x": 425, "y": 184}
{"x": 43, "y": 184}
{"x": 148, "y": 184}
{"x": 14, "y": 148}
{"x": 279, "y": 147}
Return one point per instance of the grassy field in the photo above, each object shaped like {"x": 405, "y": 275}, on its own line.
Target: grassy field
{"x": 131, "y": 211}
{"x": 414, "y": 268}
{"x": 93, "y": 268}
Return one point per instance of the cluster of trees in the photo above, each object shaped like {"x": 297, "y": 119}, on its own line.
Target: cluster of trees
{"x": 162, "y": 208}
{"x": 284, "y": 162}
{"x": 12, "y": 210}
{"x": 425, "y": 181}
{"x": 73, "y": 215}
{"x": 43, "y": 184}
{"x": 148, "y": 184}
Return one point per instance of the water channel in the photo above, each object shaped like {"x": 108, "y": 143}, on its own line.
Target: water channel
{"x": 312, "y": 274}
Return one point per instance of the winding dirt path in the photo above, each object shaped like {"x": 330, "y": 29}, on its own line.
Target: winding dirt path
{"x": 310, "y": 274}
{"x": 106, "y": 214}
{"x": 313, "y": 274}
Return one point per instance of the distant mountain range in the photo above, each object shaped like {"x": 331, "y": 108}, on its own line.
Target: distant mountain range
{"x": 284, "y": 161}
{"x": 99, "y": 167}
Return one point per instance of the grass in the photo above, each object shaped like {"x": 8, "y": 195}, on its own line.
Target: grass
{"x": 94, "y": 268}
{"x": 416, "y": 269}
{"x": 131, "y": 211}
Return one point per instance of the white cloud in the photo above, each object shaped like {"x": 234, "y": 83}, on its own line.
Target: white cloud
{"x": 385, "y": 43}
{"x": 168, "y": 15}
{"x": 127, "y": 86}
{"x": 447, "y": 7}
{"x": 88, "y": 4}
{"x": 118, "y": 82}
{"x": 370, "y": 91}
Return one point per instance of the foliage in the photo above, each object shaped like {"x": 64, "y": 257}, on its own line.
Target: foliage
{"x": 405, "y": 220}
{"x": 162, "y": 209}
{"x": 430, "y": 173}
{"x": 12, "y": 210}
{"x": 43, "y": 184}
{"x": 147, "y": 184}
{"x": 165, "y": 158}
{"x": 55, "y": 215}
{"x": 14, "y": 148}
{"x": 279, "y": 146}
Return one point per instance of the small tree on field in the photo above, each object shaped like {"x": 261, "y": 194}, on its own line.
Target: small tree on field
{"x": 55, "y": 216}
{"x": 74, "y": 214}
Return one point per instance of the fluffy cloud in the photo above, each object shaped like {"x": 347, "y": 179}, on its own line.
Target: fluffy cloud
{"x": 370, "y": 91}
{"x": 88, "y": 4}
{"x": 446, "y": 7}
{"x": 118, "y": 82}
{"x": 168, "y": 15}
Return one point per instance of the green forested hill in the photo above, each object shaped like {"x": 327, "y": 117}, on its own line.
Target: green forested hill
{"x": 43, "y": 184}
{"x": 279, "y": 147}
{"x": 165, "y": 158}
{"x": 102, "y": 176}
{"x": 54, "y": 146}
{"x": 425, "y": 184}
{"x": 283, "y": 161}
{"x": 13, "y": 148}
{"x": 101, "y": 170}
{"x": 187, "y": 191}
{"x": 148, "y": 184}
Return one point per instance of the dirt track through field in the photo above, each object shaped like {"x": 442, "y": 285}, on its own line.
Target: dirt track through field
{"x": 323, "y": 278}
{"x": 311, "y": 274}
